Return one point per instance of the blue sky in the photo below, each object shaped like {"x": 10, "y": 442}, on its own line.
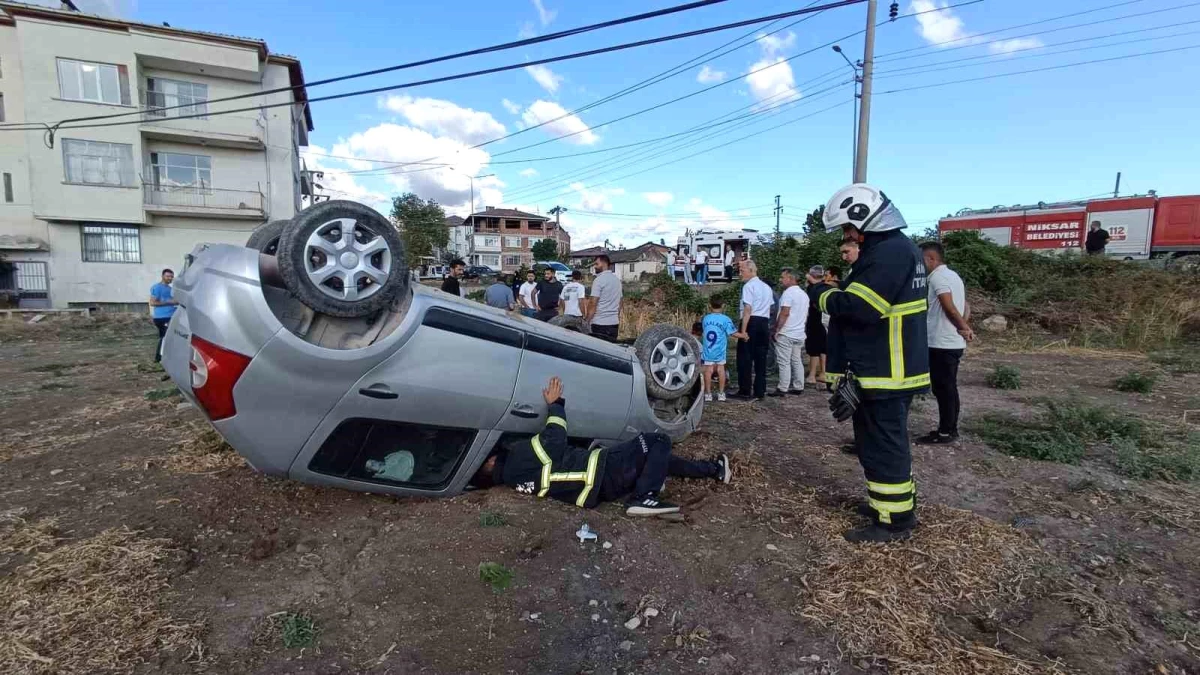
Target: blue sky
{"x": 1053, "y": 135}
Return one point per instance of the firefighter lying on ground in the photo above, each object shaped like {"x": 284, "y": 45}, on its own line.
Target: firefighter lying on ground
{"x": 547, "y": 466}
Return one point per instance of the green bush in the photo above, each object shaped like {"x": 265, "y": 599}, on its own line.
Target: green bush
{"x": 677, "y": 295}
{"x": 1135, "y": 382}
{"x": 495, "y": 575}
{"x": 477, "y": 296}
{"x": 1004, "y": 377}
{"x": 299, "y": 631}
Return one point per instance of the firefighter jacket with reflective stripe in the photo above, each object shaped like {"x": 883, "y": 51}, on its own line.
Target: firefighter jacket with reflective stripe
{"x": 547, "y": 466}
{"x": 877, "y": 326}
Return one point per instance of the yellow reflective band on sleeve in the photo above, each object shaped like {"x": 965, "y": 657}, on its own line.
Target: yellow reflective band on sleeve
{"x": 593, "y": 462}
{"x": 832, "y": 378}
{"x": 904, "y": 309}
{"x": 896, "y": 346}
{"x": 891, "y": 488}
{"x": 556, "y": 420}
{"x": 870, "y": 297}
{"x": 545, "y": 460}
{"x": 825, "y": 296}
{"x": 914, "y": 382}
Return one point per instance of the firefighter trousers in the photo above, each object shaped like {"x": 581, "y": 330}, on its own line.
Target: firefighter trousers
{"x": 642, "y": 465}
{"x": 881, "y": 438}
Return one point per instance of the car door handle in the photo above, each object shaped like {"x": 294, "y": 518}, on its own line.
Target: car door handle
{"x": 378, "y": 391}
{"x": 522, "y": 410}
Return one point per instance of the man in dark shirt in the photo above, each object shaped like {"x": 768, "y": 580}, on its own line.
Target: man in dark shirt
{"x": 1097, "y": 239}
{"x": 450, "y": 283}
{"x": 548, "y": 291}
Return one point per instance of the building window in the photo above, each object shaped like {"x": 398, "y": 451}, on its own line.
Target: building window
{"x": 163, "y": 93}
{"x": 492, "y": 242}
{"x": 513, "y": 260}
{"x": 512, "y": 242}
{"x": 173, "y": 170}
{"x": 8, "y": 193}
{"x": 94, "y": 82}
{"x": 96, "y": 163}
{"x": 492, "y": 261}
{"x": 112, "y": 244}
{"x": 632, "y": 268}
{"x": 512, "y": 224}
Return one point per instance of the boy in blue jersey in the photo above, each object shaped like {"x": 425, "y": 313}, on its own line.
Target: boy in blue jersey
{"x": 715, "y": 330}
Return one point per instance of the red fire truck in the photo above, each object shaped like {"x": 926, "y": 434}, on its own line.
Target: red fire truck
{"x": 1139, "y": 227}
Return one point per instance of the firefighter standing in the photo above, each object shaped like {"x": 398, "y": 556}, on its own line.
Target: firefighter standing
{"x": 878, "y": 356}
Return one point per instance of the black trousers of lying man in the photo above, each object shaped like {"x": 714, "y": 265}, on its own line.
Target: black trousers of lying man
{"x": 547, "y": 465}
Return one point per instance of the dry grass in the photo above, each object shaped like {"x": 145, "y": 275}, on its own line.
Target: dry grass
{"x": 202, "y": 451}
{"x": 85, "y": 606}
{"x": 637, "y": 317}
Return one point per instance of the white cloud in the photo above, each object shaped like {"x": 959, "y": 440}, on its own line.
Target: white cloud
{"x": 709, "y": 76}
{"x": 512, "y": 108}
{"x": 772, "y": 82}
{"x": 1014, "y": 45}
{"x": 446, "y": 118}
{"x": 938, "y": 27}
{"x": 598, "y": 199}
{"x": 542, "y": 111}
{"x": 338, "y": 184}
{"x": 544, "y": 15}
{"x": 528, "y": 173}
{"x": 658, "y": 198}
{"x": 449, "y": 186}
{"x": 549, "y": 80}
{"x": 587, "y": 230}
{"x": 774, "y": 44}
{"x": 527, "y": 31}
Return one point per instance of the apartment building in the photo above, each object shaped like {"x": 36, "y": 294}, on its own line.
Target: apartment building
{"x": 459, "y": 239}
{"x": 91, "y": 214}
{"x": 503, "y": 239}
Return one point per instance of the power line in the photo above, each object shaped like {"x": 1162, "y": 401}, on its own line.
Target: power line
{"x": 476, "y": 73}
{"x": 437, "y": 59}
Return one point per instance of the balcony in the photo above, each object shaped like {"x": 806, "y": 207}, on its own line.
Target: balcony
{"x": 163, "y": 121}
{"x": 202, "y": 202}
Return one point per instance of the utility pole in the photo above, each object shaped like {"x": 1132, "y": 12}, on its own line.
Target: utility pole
{"x": 557, "y": 212}
{"x": 864, "y": 114}
{"x": 778, "y": 210}
{"x": 1117, "y": 189}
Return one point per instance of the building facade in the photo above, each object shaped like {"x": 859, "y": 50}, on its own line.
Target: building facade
{"x": 92, "y": 214}
{"x": 503, "y": 239}
{"x": 634, "y": 264}
{"x": 460, "y": 237}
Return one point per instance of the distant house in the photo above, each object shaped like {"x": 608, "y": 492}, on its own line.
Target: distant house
{"x": 585, "y": 256}
{"x": 459, "y": 243}
{"x": 631, "y": 264}
{"x": 503, "y": 239}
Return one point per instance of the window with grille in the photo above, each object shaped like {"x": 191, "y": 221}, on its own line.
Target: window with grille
{"x": 96, "y": 163}
{"x": 513, "y": 260}
{"x": 492, "y": 261}
{"x": 174, "y": 170}
{"x": 164, "y": 93}
{"x": 512, "y": 242}
{"x": 112, "y": 244}
{"x": 490, "y": 242}
{"x": 93, "y": 82}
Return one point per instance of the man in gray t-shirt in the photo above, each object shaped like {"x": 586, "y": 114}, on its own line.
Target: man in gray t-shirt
{"x": 499, "y": 295}
{"x": 604, "y": 310}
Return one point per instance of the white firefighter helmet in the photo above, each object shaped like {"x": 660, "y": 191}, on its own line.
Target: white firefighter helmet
{"x": 863, "y": 207}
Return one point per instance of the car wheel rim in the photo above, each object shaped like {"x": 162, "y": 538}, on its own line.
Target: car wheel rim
{"x": 673, "y": 363}
{"x": 346, "y": 260}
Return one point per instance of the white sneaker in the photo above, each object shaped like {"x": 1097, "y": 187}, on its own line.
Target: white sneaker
{"x": 721, "y": 397}
{"x": 708, "y": 398}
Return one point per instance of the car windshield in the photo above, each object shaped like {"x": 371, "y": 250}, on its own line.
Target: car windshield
{"x": 557, "y": 266}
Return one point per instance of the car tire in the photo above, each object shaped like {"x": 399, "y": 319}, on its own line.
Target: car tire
{"x": 315, "y": 267}
{"x": 572, "y": 323}
{"x": 265, "y": 239}
{"x": 670, "y": 359}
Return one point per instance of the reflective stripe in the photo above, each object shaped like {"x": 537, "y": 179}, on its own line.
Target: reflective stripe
{"x": 556, "y": 420}
{"x": 904, "y": 309}
{"x": 886, "y": 509}
{"x": 896, "y": 346}
{"x": 823, "y": 297}
{"x": 891, "y": 488}
{"x": 914, "y": 382}
{"x": 870, "y": 297}
{"x": 593, "y": 461}
{"x": 538, "y": 450}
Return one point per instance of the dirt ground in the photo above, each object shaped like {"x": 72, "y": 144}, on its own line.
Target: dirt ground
{"x": 1019, "y": 566}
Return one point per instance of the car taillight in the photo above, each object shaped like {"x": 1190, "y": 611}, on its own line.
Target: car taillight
{"x": 214, "y": 372}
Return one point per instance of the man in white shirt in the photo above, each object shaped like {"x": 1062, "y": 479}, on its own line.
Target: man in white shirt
{"x": 949, "y": 334}
{"x": 686, "y": 263}
{"x": 729, "y": 256}
{"x": 757, "y": 299}
{"x": 789, "y": 335}
{"x": 604, "y": 311}
{"x": 572, "y": 293}
{"x": 701, "y": 266}
{"x": 528, "y": 289}
{"x": 671, "y": 264}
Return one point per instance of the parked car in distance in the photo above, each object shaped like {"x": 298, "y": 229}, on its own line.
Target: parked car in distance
{"x": 561, "y": 271}
{"x": 327, "y": 364}
{"x": 479, "y": 272}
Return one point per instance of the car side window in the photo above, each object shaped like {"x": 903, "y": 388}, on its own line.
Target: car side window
{"x": 393, "y": 453}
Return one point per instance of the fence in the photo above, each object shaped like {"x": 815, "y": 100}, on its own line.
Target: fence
{"x": 202, "y": 197}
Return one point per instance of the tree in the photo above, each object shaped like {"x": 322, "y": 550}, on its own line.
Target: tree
{"x": 422, "y": 226}
{"x": 546, "y": 249}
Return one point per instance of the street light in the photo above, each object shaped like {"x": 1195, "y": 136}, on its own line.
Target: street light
{"x": 486, "y": 175}
{"x": 856, "y": 67}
